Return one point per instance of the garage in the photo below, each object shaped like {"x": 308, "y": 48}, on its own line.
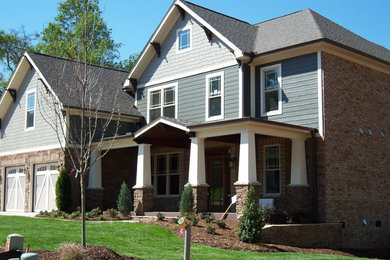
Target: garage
{"x": 45, "y": 179}
{"x": 14, "y": 189}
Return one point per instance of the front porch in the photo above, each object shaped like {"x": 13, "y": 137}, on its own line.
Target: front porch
{"x": 220, "y": 160}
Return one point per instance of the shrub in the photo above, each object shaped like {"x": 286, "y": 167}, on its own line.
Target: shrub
{"x": 63, "y": 191}
{"x": 95, "y": 212}
{"x": 210, "y": 229}
{"x": 160, "y": 216}
{"x": 44, "y": 213}
{"x": 112, "y": 213}
{"x": 71, "y": 252}
{"x": 252, "y": 220}
{"x": 221, "y": 224}
{"x": 208, "y": 217}
{"x": 193, "y": 218}
{"x": 125, "y": 200}
{"x": 75, "y": 214}
{"x": 101, "y": 217}
{"x": 267, "y": 212}
{"x": 186, "y": 200}
{"x": 175, "y": 220}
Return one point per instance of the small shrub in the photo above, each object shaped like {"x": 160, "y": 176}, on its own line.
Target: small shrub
{"x": 101, "y": 217}
{"x": 87, "y": 216}
{"x": 267, "y": 212}
{"x": 221, "y": 224}
{"x": 95, "y": 212}
{"x": 125, "y": 200}
{"x": 64, "y": 215}
{"x": 175, "y": 220}
{"x": 118, "y": 217}
{"x": 75, "y": 214}
{"x": 208, "y": 217}
{"x": 63, "y": 191}
{"x": 45, "y": 213}
{"x": 252, "y": 220}
{"x": 112, "y": 213}
{"x": 193, "y": 218}
{"x": 186, "y": 200}
{"x": 56, "y": 214}
{"x": 160, "y": 216}
{"x": 210, "y": 229}
{"x": 71, "y": 252}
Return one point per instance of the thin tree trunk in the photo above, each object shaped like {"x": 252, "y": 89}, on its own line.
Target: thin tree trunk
{"x": 82, "y": 179}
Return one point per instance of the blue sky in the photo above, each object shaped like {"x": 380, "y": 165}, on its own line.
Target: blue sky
{"x": 133, "y": 21}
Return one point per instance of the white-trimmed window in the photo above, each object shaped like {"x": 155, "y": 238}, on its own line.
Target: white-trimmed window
{"x": 184, "y": 39}
{"x": 215, "y": 96}
{"x": 271, "y": 90}
{"x": 165, "y": 172}
{"x": 272, "y": 170}
{"x": 162, "y": 101}
{"x": 30, "y": 109}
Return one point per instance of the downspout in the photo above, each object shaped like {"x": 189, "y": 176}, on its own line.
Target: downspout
{"x": 314, "y": 178}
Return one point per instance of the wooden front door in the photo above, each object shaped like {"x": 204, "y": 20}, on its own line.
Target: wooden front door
{"x": 218, "y": 180}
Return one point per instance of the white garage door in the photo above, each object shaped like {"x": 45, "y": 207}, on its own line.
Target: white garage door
{"x": 14, "y": 189}
{"x": 45, "y": 179}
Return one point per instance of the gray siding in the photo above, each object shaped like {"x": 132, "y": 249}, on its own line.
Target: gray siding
{"x": 300, "y": 91}
{"x": 16, "y": 137}
{"x": 192, "y": 95}
{"x": 202, "y": 55}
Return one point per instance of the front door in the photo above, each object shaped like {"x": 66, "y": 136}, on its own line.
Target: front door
{"x": 218, "y": 180}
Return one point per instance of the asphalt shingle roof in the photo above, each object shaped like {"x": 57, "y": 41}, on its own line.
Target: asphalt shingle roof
{"x": 61, "y": 75}
{"x": 287, "y": 31}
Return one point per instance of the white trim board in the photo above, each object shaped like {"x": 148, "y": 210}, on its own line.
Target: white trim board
{"x": 29, "y": 150}
{"x": 320, "y": 95}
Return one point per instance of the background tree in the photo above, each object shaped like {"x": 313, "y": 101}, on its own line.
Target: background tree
{"x": 80, "y": 33}
{"x": 12, "y": 47}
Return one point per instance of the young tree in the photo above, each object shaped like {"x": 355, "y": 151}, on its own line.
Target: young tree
{"x": 63, "y": 191}
{"x": 125, "y": 200}
{"x": 80, "y": 34}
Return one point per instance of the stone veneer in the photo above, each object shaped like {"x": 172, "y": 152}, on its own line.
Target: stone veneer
{"x": 354, "y": 155}
{"x": 201, "y": 198}
{"x": 241, "y": 192}
{"x": 143, "y": 200}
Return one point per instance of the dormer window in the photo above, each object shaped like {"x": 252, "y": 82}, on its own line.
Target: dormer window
{"x": 30, "y": 110}
{"x": 184, "y": 39}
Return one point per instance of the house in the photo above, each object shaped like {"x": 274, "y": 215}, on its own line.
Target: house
{"x": 296, "y": 106}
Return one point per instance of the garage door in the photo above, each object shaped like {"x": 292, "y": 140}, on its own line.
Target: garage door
{"x": 14, "y": 189}
{"x": 45, "y": 179}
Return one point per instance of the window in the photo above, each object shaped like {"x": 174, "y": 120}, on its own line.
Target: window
{"x": 214, "y": 96}
{"x": 30, "y": 110}
{"x": 162, "y": 102}
{"x": 184, "y": 39}
{"x": 271, "y": 90}
{"x": 272, "y": 170}
{"x": 165, "y": 171}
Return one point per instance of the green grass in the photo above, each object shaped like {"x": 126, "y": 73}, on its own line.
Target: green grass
{"x": 133, "y": 239}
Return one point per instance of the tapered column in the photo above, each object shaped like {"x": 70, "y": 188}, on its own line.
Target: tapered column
{"x": 298, "y": 162}
{"x": 197, "y": 174}
{"x": 247, "y": 173}
{"x": 143, "y": 190}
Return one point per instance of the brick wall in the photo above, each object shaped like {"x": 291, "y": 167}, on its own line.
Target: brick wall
{"x": 354, "y": 167}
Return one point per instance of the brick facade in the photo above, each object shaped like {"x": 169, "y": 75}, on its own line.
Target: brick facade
{"x": 354, "y": 157}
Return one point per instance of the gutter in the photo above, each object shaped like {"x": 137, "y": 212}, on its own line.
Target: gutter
{"x": 314, "y": 178}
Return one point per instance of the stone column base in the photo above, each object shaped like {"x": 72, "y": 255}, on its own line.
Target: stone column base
{"x": 143, "y": 200}
{"x": 201, "y": 198}
{"x": 241, "y": 192}
{"x": 94, "y": 198}
{"x": 300, "y": 202}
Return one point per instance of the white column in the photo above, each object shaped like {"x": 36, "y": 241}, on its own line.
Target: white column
{"x": 144, "y": 177}
{"x": 197, "y": 171}
{"x": 247, "y": 173}
{"x": 95, "y": 171}
{"x": 298, "y": 162}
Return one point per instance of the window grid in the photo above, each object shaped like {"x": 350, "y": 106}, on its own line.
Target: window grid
{"x": 271, "y": 90}
{"x": 162, "y": 102}
{"x": 30, "y": 110}
{"x": 272, "y": 170}
{"x": 165, "y": 170}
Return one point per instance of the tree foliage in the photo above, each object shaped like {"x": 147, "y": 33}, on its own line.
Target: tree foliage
{"x": 63, "y": 191}
{"x": 252, "y": 220}
{"x": 80, "y": 33}
{"x": 125, "y": 200}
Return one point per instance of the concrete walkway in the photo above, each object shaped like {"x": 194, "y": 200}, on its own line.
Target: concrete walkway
{"x": 16, "y": 213}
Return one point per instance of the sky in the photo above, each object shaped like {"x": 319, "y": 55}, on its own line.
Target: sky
{"x": 134, "y": 21}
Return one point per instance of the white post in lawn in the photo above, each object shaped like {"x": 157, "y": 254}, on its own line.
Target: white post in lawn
{"x": 298, "y": 162}
{"x": 144, "y": 177}
{"x": 197, "y": 171}
{"x": 95, "y": 171}
{"x": 247, "y": 164}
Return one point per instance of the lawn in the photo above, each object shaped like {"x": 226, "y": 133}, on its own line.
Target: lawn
{"x": 133, "y": 239}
